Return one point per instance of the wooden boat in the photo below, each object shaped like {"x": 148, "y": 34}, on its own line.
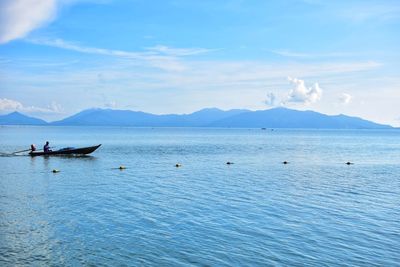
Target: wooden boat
{"x": 66, "y": 151}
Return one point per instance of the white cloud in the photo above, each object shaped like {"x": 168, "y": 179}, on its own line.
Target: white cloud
{"x": 162, "y": 49}
{"x": 145, "y": 75}
{"x": 302, "y": 94}
{"x": 54, "y": 107}
{"x": 19, "y": 17}
{"x": 59, "y": 43}
{"x": 172, "y": 60}
{"x": 161, "y": 57}
{"x": 151, "y": 52}
{"x": 8, "y": 105}
{"x": 270, "y": 100}
{"x": 345, "y": 98}
{"x": 294, "y": 54}
{"x": 111, "y": 104}
{"x": 287, "y": 53}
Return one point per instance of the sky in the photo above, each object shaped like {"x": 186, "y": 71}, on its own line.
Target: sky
{"x": 58, "y": 57}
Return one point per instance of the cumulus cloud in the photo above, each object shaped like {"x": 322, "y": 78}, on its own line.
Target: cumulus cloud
{"x": 54, "y": 107}
{"x": 302, "y": 94}
{"x": 345, "y": 98}
{"x": 8, "y": 105}
{"x": 19, "y": 17}
{"x": 270, "y": 100}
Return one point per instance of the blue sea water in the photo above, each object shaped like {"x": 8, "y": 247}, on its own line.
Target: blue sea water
{"x": 314, "y": 211}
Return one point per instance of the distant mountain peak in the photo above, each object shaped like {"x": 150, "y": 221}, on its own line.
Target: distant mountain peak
{"x": 17, "y": 118}
{"x": 205, "y": 110}
{"x": 16, "y": 113}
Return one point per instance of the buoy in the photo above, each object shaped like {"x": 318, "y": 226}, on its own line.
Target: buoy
{"x": 229, "y": 163}
{"x": 285, "y": 162}
{"x": 122, "y": 167}
{"x": 55, "y": 171}
{"x": 178, "y": 165}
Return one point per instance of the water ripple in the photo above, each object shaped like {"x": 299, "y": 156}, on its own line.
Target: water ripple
{"x": 314, "y": 211}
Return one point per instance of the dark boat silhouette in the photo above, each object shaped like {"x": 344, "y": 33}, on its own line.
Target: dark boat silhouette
{"x": 66, "y": 151}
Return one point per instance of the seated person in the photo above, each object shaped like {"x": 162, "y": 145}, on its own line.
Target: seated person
{"x": 46, "y": 147}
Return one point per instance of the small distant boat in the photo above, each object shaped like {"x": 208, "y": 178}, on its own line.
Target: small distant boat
{"x": 66, "y": 151}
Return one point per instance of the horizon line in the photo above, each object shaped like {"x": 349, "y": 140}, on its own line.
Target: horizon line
{"x": 183, "y": 114}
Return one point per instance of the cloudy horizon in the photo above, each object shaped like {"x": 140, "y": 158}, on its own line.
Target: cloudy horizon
{"x": 59, "y": 57}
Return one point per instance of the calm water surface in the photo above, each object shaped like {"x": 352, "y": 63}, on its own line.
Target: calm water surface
{"x": 314, "y": 211}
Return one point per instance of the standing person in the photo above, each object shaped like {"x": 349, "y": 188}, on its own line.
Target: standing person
{"x": 46, "y": 147}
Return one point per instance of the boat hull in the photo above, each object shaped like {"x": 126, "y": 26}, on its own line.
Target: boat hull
{"x": 75, "y": 151}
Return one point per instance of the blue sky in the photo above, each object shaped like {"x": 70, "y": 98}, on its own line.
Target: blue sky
{"x": 58, "y": 57}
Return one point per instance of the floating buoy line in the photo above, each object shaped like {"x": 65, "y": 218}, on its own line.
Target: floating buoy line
{"x": 123, "y": 167}
{"x": 178, "y": 165}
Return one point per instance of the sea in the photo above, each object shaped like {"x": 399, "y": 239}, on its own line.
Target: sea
{"x": 313, "y": 211}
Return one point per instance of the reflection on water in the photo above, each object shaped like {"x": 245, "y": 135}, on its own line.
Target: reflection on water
{"x": 257, "y": 212}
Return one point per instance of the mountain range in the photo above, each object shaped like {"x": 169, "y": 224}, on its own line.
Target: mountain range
{"x": 209, "y": 117}
{"x": 16, "y": 118}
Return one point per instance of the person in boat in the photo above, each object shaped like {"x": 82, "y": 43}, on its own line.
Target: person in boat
{"x": 46, "y": 147}
{"x": 33, "y": 147}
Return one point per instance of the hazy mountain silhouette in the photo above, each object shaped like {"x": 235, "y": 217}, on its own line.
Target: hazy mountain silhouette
{"x": 109, "y": 117}
{"x": 209, "y": 117}
{"x": 16, "y": 118}
{"x": 289, "y": 118}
